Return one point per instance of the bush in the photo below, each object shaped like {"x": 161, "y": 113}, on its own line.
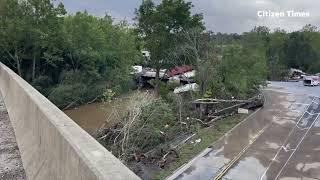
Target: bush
{"x": 76, "y": 87}
{"x": 240, "y": 73}
{"x": 42, "y": 84}
{"x": 155, "y": 122}
{"x": 65, "y": 94}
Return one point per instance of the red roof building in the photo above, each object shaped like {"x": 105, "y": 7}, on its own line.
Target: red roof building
{"x": 178, "y": 70}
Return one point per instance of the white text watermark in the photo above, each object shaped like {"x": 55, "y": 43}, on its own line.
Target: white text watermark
{"x": 279, "y": 14}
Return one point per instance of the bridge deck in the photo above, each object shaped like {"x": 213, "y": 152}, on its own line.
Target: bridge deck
{"x": 10, "y": 161}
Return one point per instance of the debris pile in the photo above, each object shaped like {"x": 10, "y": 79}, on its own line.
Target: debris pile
{"x": 153, "y": 130}
{"x": 211, "y": 110}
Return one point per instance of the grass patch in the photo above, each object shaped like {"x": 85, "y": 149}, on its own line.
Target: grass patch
{"x": 208, "y": 137}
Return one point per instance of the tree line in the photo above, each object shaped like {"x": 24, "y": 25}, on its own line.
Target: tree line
{"x": 283, "y": 50}
{"x": 73, "y": 59}
{"x": 299, "y": 49}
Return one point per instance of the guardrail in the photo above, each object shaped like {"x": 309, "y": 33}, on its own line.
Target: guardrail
{"x": 52, "y": 146}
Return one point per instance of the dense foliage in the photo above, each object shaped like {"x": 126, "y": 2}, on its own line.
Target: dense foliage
{"x": 69, "y": 58}
{"x": 159, "y": 24}
{"x": 298, "y": 49}
{"x": 73, "y": 59}
{"x": 239, "y": 64}
{"x": 76, "y": 59}
{"x": 282, "y": 50}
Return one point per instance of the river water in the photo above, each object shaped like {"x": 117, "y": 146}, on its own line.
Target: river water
{"x": 89, "y": 117}
{"x": 92, "y": 116}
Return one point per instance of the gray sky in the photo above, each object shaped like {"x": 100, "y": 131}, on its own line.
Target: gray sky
{"x": 231, "y": 16}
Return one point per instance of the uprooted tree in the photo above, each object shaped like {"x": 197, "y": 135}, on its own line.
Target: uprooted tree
{"x": 149, "y": 122}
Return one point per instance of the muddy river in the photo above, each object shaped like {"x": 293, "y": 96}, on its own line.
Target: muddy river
{"x": 92, "y": 116}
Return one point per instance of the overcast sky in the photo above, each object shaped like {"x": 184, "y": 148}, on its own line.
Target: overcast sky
{"x": 231, "y": 16}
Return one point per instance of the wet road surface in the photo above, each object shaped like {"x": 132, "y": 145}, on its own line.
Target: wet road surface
{"x": 280, "y": 141}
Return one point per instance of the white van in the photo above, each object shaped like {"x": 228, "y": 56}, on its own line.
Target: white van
{"x": 311, "y": 81}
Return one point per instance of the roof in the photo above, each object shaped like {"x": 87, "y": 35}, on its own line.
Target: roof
{"x": 179, "y": 70}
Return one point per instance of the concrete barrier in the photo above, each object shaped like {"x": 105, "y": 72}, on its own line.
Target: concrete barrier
{"x": 52, "y": 146}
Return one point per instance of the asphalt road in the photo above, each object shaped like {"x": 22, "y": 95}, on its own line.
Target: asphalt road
{"x": 280, "y": 141}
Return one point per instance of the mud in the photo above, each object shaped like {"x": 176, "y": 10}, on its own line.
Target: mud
{"x": 11, "y": 167}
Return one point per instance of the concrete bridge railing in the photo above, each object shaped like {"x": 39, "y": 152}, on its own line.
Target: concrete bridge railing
{"x": 52, "y": 146}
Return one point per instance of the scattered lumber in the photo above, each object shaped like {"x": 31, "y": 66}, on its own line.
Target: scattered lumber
{"x": 215, "y": 101}
{"x": 229, "y": 109}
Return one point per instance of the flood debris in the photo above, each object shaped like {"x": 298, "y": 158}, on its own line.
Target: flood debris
{"x": 149, "y": 135}
{"x": 212, "y": 110}
{"x": 296, "y": 74}
{"x": 243, "y": 111}
{"x": 186, "y": 88}
{"x": 183, "y": 75}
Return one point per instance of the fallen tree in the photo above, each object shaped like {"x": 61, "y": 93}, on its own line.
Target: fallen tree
{"x": 211, "y": 110}
{"x": 148, "y": 123}
{"x": 152, "y": 131}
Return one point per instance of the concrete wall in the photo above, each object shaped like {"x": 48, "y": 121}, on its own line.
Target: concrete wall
{"x": 52, "y": 146}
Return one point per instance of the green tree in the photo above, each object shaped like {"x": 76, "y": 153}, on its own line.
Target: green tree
{"x": 298, "y": 51}
{"x": 277, "y": 69}
{"x": 313, "y": 34}
{"x": 241, "y": 72}
{"x": 71, "y": 59}
{"x": 28, "y": 29}
{"x": 46, "y": 31}
{"x": 158, "y": 25}
{"x": 197, "y": 48}
{"x": 98, "y": 55}
{"x": 14, "y": 31}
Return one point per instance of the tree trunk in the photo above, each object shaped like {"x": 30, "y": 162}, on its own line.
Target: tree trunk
{"x": 157, "y": 88}
{"x": 33, "y": 67}
{"x": 18, "y": 63}
{"x": 19, "y": 68}
{"x": 202, "y": 88}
